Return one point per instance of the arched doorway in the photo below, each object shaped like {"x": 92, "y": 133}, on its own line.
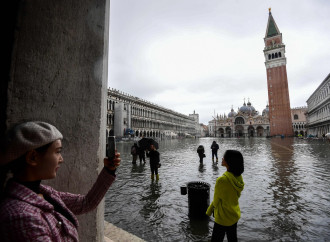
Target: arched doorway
{"x": 260, "y": 131}
{"x": 239, "y": 130}
{"x": 221, "y": 132}
{"x": 228, "y": 131}
{"x": 251, "y": 131}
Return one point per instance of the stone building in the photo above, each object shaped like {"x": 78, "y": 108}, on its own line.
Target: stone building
{"x": 299, "y": 120}
{"x": 129, "y": 116}
{"x": 204, "y": 131}
{"x": 277, "y": 81}
{"x": 318, "y": 110}
{"x": 195, "y": 116}
{"x": 246, "y": 122}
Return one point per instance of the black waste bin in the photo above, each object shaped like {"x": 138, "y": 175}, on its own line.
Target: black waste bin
{"x": 198, "y": 198}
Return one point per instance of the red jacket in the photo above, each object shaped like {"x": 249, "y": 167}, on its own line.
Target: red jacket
{"x": 24, "y": 216}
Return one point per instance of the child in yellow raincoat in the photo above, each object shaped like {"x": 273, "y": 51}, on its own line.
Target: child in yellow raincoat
{"x": 225, "y": 206}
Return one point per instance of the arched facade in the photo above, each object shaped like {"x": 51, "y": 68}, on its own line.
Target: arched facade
{"x": 299, "y": 122}
{"x": 246, "y": 122}
{"x": 132, "y": 117}
{"x": 318, "y": 113}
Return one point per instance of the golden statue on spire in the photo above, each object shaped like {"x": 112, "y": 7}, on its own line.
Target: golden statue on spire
{"x": 269, "y": 9}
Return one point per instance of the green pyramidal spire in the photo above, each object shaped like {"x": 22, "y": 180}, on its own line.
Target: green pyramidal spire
{"x": 272, "y": 29}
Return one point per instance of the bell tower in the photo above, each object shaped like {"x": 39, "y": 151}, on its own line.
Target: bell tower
{"x": 277, "y": 81}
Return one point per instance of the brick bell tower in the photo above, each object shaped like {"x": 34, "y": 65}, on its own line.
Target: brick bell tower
{"x": 277, "y": 81}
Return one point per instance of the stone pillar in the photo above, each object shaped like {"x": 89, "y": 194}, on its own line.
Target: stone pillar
{"x": 58, "y": 73}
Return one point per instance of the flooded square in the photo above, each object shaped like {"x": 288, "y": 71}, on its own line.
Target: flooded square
{"x": 286, "y": 195}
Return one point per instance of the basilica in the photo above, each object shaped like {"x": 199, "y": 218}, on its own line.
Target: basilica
{"x": 246, "y": 122}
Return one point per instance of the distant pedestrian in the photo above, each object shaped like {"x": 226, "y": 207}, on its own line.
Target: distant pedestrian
{"x": 134, "y": 152}
{"x": 214, "y": 148}
{"x": 154, "y": 162}
{"x": 225, "y": 206}
{"x": 201, "y": 153}
{"x": 142, "y": 154}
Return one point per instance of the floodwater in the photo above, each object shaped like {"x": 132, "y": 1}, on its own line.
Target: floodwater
{"x": 286, "y": 195}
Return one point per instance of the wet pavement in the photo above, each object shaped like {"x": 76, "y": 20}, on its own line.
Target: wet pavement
{"x": 286, "y": 196}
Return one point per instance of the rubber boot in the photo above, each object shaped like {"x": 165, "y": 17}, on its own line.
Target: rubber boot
{"x": 152, "y": 176}
{"x": 212, "y": 159}
{"x": 217, "y": 160}
{"x": 157, "y": 177}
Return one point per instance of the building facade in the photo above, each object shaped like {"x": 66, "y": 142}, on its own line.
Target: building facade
{"x": 299, "y": 121}
{"x": 204, "y": 130}
{"x": 195, "y": 116}
{"x": 246, "y": 122}
{"x": 129, "y": 116}
{"x": 277, "y": 81}
{"x": 318, "y": 110}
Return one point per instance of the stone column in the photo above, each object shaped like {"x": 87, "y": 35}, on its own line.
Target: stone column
{"x": 58, "y": 73}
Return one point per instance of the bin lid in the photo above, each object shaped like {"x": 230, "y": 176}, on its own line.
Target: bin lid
{"x": 198, "y": 185}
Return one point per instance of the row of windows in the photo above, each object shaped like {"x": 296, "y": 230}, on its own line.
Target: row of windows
{"x": 298, "y": 126}
{"x": 111, "y": 105}
{"x": 110, "y": 119}
{"x": 274, "y": 55}
{"x": 322, "y": 95}
{"x": 147, "y": 113}
{"x": 320, "y": 114}
{"x": 149, "y": 124}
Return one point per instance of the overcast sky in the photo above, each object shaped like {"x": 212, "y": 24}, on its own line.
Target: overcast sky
{"x": 207, "y": 55}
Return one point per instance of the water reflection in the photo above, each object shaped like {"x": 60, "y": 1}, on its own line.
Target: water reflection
{"x": 215, "y": 167}
{"x": 284, "y": 187}
{"x": 151, "y": 209}
{"x": 198, "y": 229}
{"x": 138, "y": 168}
{"x": 286, "y": 197}
{"x": 201, "y": 168}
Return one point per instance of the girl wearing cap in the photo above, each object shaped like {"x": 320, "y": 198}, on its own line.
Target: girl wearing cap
{"x": 30, "y": 211}
{"x": 228, "y": 188}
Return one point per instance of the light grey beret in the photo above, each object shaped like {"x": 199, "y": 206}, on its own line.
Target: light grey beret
{"x": 25, "y": 137}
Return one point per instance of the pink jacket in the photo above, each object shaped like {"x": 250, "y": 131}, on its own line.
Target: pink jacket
{"x": 24, "y": 216}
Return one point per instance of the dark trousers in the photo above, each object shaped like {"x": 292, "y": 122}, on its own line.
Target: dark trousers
{"x": 214, "y": 153}
{"x": 201, "y": 156}
{"x": 142, "y": 157}
{"x": 134, "y": 159}
{"x": 219, "y": 232}
{"x": 154, "y": 169}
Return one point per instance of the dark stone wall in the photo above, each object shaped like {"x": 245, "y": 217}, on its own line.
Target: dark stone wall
{"x": 56, "y": 71}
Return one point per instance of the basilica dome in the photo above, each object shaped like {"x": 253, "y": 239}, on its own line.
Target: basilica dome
{"x": 248, "y": 109}
{"x": 245, "y": 109}
{"x": 251, "y": 107}
{"x": 232, "y": 113}
{"x": 265, "y": 111}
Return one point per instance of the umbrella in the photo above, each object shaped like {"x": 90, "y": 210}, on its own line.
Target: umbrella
{"x": 145, "y": 143}
{"x": 328, "y": 135}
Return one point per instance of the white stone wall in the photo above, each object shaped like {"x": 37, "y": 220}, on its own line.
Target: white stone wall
{"x": 318, "y": 118}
